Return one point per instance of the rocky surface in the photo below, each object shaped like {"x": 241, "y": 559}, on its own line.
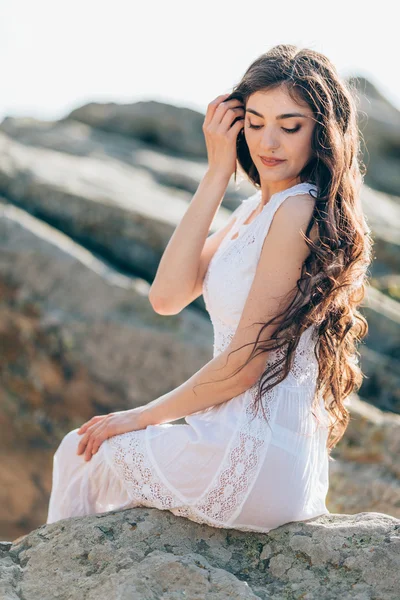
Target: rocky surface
{"x": 379, "y": 122}
{"x": 119, "y": 211}
{"x": 77, "y": 339}
{"x": 365, "y": 473}
{"x": 171, "y": 128}
{"x": 151, "y": 554}
{"x": 380, "y": 351}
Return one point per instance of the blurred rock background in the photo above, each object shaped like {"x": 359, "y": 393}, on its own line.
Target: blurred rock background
{"x": 87, "y": 206}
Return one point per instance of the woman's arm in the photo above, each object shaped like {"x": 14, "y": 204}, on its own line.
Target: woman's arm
{"x": 182, "y": 401}
{"x": 188, "y": 399}
{"x": 179, "y": 265}
{"x": 177, "y": 273}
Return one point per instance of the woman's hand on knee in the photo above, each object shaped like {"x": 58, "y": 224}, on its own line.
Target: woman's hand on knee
{"x": 83, "y": 428}
{"x": 102, "y": 427}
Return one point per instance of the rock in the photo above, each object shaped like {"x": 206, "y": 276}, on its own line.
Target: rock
{"x": 379, "y": 122}
{"x": 380, "y": 351}
{"x": 173, "y": 128}
{"x": 77, "y": 339}
{"x": 175, "y": 171}
{"x": 365, "y": 473}
{"x": 147, "y": 553}
{"x": 117, "y": 211}
{"x": 383, "y": 215}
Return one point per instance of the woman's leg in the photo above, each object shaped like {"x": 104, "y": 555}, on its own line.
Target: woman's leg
{"x": 81, "y": 487}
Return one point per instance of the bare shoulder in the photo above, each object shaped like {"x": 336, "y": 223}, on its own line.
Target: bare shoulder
{"x": 299, "y": 202}
{"x": 296, "y": 211}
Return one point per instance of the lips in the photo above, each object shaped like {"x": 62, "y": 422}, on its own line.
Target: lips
{"x": 271, "y": 161}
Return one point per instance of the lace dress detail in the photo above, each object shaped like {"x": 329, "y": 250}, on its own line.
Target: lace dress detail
{"x": 130, "y": 458}
{"x": 225, "y": 467}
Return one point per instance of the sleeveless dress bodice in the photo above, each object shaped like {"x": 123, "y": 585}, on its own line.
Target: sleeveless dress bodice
{"x": 231, "y": 272}
{"x": 227, "y": 466}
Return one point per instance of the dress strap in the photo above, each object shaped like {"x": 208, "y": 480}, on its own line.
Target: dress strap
{"x": 241, "y": 213}
{"x": 273, "y": 205}
{"x": 247, "y": 206}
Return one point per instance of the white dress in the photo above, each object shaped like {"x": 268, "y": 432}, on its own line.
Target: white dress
{"x": 222, "y": 467}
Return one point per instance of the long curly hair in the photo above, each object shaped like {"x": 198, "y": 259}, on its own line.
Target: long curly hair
{"x": 334, "y": 276}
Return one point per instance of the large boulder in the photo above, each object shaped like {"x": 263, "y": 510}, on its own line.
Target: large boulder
{"x": 379, "y": 122}
{"x": 170, "y": 170}
{"x": 77, "y": 339}
{"x": 151, "y": 554}
{"x": 172, "y": 128}
{"x": 117, "y": 210}
{"x": 365, "y": 472}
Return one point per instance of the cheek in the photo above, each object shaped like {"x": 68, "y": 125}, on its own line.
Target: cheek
{"x": 302, "y": 145}
{"x": 306, "y": 140}
{"x": 307, "y": 150}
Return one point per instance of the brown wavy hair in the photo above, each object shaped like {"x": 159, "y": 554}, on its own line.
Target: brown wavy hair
{"x": 334, "y": 276}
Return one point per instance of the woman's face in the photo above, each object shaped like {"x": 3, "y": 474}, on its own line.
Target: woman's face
{"x": 267, "y": 135}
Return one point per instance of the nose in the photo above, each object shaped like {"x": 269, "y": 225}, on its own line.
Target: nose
{"x": 268, "y": 141}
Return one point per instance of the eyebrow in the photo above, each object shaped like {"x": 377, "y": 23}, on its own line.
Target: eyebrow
{"x": 283, "y": 116}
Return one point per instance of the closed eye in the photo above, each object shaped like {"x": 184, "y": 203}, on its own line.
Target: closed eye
{"x": 284, "y": 128}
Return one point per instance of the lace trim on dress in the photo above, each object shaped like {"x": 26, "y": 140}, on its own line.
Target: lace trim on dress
{"x": 132, "y": 462}
{"x": 230, "y": 487}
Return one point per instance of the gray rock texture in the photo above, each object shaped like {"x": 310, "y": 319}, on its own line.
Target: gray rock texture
{"x": 148, "y": 554}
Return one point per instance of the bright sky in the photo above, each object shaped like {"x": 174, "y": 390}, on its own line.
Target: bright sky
{"x": 57, "y": 56}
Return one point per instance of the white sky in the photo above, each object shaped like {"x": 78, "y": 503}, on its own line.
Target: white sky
{"x": 57, "y": 56}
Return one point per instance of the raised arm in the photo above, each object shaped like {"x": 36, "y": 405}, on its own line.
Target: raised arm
{"x": 179, "y": 274}
{"x": 181, "y": 270}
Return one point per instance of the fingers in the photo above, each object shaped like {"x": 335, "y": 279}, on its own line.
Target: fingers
{"x": 83, "y": 443}
{"x": 88, "y": 450}
{"x": 212, "y": 107}
{"x": 230, "y": 115}
{"x": 224, "y": 117}
{"x": 89, "y": 423}
{"x": 221, "y": 114}
{"x": 218, "y": 107}
{"x": 236, "y": 127}
{"x": 87, "y": 439}
{"x": 101, "y": 435}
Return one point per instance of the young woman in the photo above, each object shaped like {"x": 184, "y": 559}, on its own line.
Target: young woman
{"x": 282, "y": 282}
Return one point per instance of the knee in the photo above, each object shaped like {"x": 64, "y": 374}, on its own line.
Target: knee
{"x": 69, "y": 442}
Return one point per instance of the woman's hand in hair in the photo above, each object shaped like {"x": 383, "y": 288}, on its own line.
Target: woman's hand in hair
{"x": 221, "y": 133}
